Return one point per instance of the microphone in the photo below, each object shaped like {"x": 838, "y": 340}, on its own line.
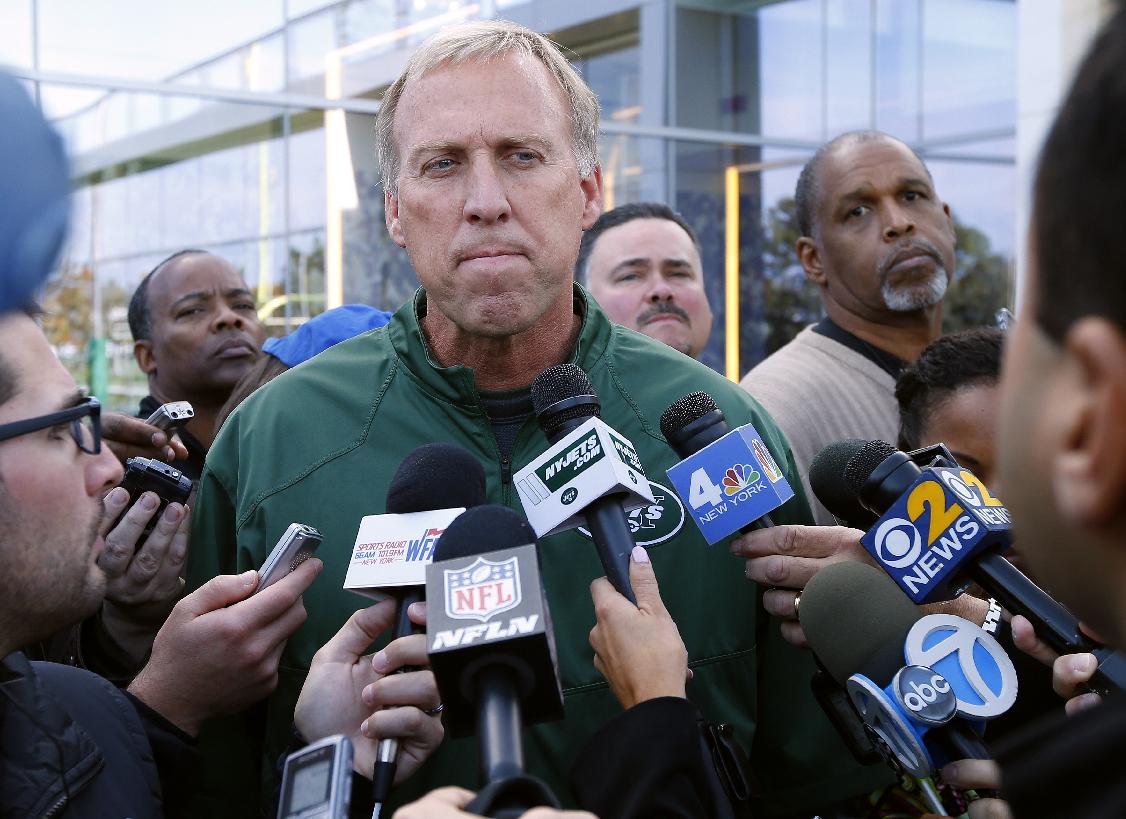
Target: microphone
{"x": 420, "y": 485}
{"x": 825, "y": 479}
{"x": 589, "y": 475}
{"x": 907, "y": 675}
{"x": 728, "y": 477}
{"x": 491, "y": 646}
{"x": 940, "y": 529}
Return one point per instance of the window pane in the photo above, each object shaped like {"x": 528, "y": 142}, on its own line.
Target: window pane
{"x": 141, "y": 40}
{"x": 15, "y": 33}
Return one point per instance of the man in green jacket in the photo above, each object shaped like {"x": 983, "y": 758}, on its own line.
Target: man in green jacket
{"x": 487, "y": 145}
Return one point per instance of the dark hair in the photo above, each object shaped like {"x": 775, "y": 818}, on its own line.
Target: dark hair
{"x": 1080, "y": 195}
{"x": 807, "y": 194}
{"x": 620, "y": 216}
{"x": 264, "y": 370}
{"x": 140, "y": 318}
{"x": 967, "y": 359}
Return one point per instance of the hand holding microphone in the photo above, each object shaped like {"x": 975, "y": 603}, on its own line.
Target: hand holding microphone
{"x": 345, "y": 693}
{"x": 783, "y": 559}
{"x": 938, "y": 529}
{"x": 637, "y": 649}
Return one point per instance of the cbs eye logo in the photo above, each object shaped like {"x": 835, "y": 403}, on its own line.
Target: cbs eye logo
{"x": 898, "y": 543}
{"x": 898, "y": 540}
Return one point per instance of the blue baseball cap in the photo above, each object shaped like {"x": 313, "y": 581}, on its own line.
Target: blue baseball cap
{"x": 34, "y": 195}
{"x": 321, "y": 332}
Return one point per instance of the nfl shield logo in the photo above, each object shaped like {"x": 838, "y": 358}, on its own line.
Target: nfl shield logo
{"x": 482, "y": 589}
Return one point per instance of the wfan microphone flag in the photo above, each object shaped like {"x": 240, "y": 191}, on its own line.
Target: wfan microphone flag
{"x": 392, "y": 551}
{"x": 590, "y": 462}
{"x": 943, "y": 519}
{"x": 730, "y": 483}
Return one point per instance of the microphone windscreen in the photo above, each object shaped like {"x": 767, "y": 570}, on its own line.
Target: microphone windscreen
{"x": 436, "y": 476}
{"x": 861, "y": 465}
{"x": 483, "y": 529}
{"x": 557, "y": 384}
{"x": 827, "y": 480}
{"x": 856, "y": 620}
{"x": 684, "y": 411}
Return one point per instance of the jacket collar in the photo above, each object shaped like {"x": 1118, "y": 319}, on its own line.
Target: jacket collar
{"x": 457, "y": 384}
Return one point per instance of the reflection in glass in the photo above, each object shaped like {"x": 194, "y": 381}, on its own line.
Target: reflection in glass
{"x": 138, "y": 40}
{"x": 15, "y": 33}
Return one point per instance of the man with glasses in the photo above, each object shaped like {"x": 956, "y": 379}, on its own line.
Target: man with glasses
{"x": 69, "y": 740}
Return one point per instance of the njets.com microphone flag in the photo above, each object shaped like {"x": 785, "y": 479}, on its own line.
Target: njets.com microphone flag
{"x": 592, "y": 461}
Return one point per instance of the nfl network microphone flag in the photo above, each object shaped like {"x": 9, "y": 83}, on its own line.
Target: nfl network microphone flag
{"x": 485, "y": 606}
{"x": 944, "y": 518}
{"x": 730, "y": 483}
{"x": 589, "y": 463}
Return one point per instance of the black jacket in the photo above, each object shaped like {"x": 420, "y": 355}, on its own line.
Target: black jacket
{"x": 653, "y": 762}
{"x": 73, "y": 745}
{"x": 1069, "y": 766}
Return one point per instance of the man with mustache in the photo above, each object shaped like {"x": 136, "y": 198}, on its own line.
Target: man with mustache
{"x": 195, "y": 333}
{"x": 879, "y": 243}
{"x": 641, "y": 262}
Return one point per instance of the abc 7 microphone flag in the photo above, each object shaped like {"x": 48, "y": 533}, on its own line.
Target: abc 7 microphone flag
{"x": 954, "y": 669}
{"x": 945, "y": 517}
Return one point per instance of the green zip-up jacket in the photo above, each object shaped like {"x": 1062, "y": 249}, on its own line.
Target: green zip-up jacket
{"x": 319, "y": 445}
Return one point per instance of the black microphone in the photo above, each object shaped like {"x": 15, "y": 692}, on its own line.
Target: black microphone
{"x": 692, "y": 423}
{"x": 421, "y": 484}
{"x": 491, "y": 646}
{"x": 564, "y": 399}
{"x": 825, "y": 479}
{"x": 877, "y": 474}
{"x": 857, "y": 622}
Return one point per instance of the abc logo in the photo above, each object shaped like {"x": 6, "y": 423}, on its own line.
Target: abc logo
{"x": 897, "y": 543}
{"x": 568, "y": 497}
{"x": 925, "y": 693}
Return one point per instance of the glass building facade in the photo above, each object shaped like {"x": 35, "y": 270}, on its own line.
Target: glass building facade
{"x": 246, "y": 129}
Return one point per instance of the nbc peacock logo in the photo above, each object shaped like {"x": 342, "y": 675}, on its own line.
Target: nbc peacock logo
{"x": 738, "y": 478}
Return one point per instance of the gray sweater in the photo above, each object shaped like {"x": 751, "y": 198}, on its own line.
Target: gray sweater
{"x": 819, "y": 391}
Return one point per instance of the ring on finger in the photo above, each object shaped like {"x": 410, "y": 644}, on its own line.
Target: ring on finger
{"x": 435, "y": 711}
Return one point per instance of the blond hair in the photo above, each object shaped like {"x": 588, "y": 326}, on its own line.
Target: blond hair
{"x": 481, "y": 42}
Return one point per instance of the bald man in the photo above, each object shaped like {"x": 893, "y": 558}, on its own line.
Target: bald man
{"x": 195, "y": 333}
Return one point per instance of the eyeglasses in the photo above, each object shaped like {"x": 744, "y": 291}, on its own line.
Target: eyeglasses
{"x": 85, "y": 425}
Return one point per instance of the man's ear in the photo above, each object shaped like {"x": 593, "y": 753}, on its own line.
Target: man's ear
{"x": 142, "y": 351}
{"x": 391, "y": 217}
{"x": 810, "y": 258}
{"x": 950, "y": 221}
{"x": 591, "y": 186}
{"x": 1090, "y": 466}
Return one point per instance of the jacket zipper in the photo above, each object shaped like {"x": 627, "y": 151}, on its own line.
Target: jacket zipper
{"x": 56, "y": 808}
{"x": 73, "y": 788}
{"x": 505, "y": 471}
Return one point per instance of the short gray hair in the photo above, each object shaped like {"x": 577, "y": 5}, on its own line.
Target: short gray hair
{"x": 480, "y": 42}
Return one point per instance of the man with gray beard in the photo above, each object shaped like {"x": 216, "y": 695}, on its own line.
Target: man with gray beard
{"x": 879, "y": 243}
